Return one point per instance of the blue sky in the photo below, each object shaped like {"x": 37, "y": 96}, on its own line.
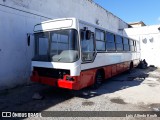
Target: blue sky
{"x": 147, "y": 11}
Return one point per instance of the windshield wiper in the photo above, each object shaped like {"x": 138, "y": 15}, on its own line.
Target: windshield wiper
{"x": 59, "y": 58}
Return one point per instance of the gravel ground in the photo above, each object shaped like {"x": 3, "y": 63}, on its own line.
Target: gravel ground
{"x": 125, "y": 92}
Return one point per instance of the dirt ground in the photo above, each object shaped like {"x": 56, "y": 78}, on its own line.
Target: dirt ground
{"x": 137, "y": 91}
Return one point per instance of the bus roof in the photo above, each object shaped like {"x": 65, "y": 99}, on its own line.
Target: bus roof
{"x": 64, "y": 23}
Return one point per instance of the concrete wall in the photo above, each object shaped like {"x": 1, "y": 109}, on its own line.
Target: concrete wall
{"x": 18, "y": 18}
{"x": 149, "y": 37}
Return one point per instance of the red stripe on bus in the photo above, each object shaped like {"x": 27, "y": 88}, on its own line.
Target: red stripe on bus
{"x": 86, "y": 78}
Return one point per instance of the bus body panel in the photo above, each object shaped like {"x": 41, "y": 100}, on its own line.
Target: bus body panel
{"x": 105, "y": 59}
{"x": 86, "y": 77}
{"x": 73, "y": 67}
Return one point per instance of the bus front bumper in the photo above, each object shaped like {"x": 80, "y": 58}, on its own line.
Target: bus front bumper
{"x": 62, "y": 83}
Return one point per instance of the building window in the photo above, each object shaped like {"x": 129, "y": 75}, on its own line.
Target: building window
{"x": 110, "y": 43}
{"x": 119, "y": 43}
{"x": 100, "y": 40}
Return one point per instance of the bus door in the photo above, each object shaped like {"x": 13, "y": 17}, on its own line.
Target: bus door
{"x": 87, "y": 46}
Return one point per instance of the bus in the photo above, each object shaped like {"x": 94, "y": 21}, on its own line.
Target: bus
{"x": 74, "y": 54}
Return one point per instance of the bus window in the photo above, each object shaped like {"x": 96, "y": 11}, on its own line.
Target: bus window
{"x": 100, "y": 40}
{"x": 126, "y": 44}
{"x": 110, "y": 44}
{"x": 64, "y": 45}
{"x": 138, "y": 47}
{"x": 131, "y": 42}
{"x": 41, "y": 46}
{"x": 87, "y": 48}
{"x": 135, "y": 46}
{"x": 131, "y": 45}
{"x": 119, "y": 44}
{"x": 59, "y": 43}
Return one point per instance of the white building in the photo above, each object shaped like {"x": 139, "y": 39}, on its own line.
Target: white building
{"x": 18, "y": 18}
{"x": 137, "y": 24}
{"x": 149, "y": 37}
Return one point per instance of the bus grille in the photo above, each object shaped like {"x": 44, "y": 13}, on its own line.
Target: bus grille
{"x": 50, "y": 72}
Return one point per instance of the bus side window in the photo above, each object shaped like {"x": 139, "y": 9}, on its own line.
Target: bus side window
{"x": 138, "y": 46}
{"x": 119, "y": 44}
{"x": 131, "y": 43}
{"x": 87, "y": 47}
{"x": 126, "y": 44}
{"x": 110, "y": 42}
{"x": 100, "y": 40}
{"x": 135, "y": 46}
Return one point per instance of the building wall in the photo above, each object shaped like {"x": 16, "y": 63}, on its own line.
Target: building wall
{"x": 136, "y": 25}
{"x": 18, "y": 18}
{"x": 149, "y": 37}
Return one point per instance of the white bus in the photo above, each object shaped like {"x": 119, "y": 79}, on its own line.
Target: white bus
{"x": 73, "y": 54}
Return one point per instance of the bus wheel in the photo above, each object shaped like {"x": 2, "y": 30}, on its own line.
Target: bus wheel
{"x": 130, "y": 67}
{"x": 98, "y": 80}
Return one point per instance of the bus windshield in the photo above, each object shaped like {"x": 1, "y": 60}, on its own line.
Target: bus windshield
{"x": 57, "y": 46}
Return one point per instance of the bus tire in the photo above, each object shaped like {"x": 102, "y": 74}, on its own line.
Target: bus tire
{"x": 98, "y": 79}
{"x": 130, "y": 67}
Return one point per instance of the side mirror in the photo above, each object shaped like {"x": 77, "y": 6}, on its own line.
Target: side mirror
{"x": 82, "y": 35}
{"x": 88, "y": 34}
{"x": 28, "y": 39}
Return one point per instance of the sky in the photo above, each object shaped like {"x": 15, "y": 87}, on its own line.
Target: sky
{"x": 147, "y": 11}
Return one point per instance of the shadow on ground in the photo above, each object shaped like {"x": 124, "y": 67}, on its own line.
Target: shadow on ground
{"x": 20, "y": 99}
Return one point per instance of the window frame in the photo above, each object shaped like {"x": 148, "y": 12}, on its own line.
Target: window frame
{"x": 119, "y": 43}
{"x": 126, "y": 44}
{"x": 58, "y": 43}
{"x": 131, "y": 44}
{"x": 137, "y": 46}
{"x": 36, "y": 49}
{"x": 109, "y": 42}
{"x": 94, "y": 49}
{"x": 103, "y": 41}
